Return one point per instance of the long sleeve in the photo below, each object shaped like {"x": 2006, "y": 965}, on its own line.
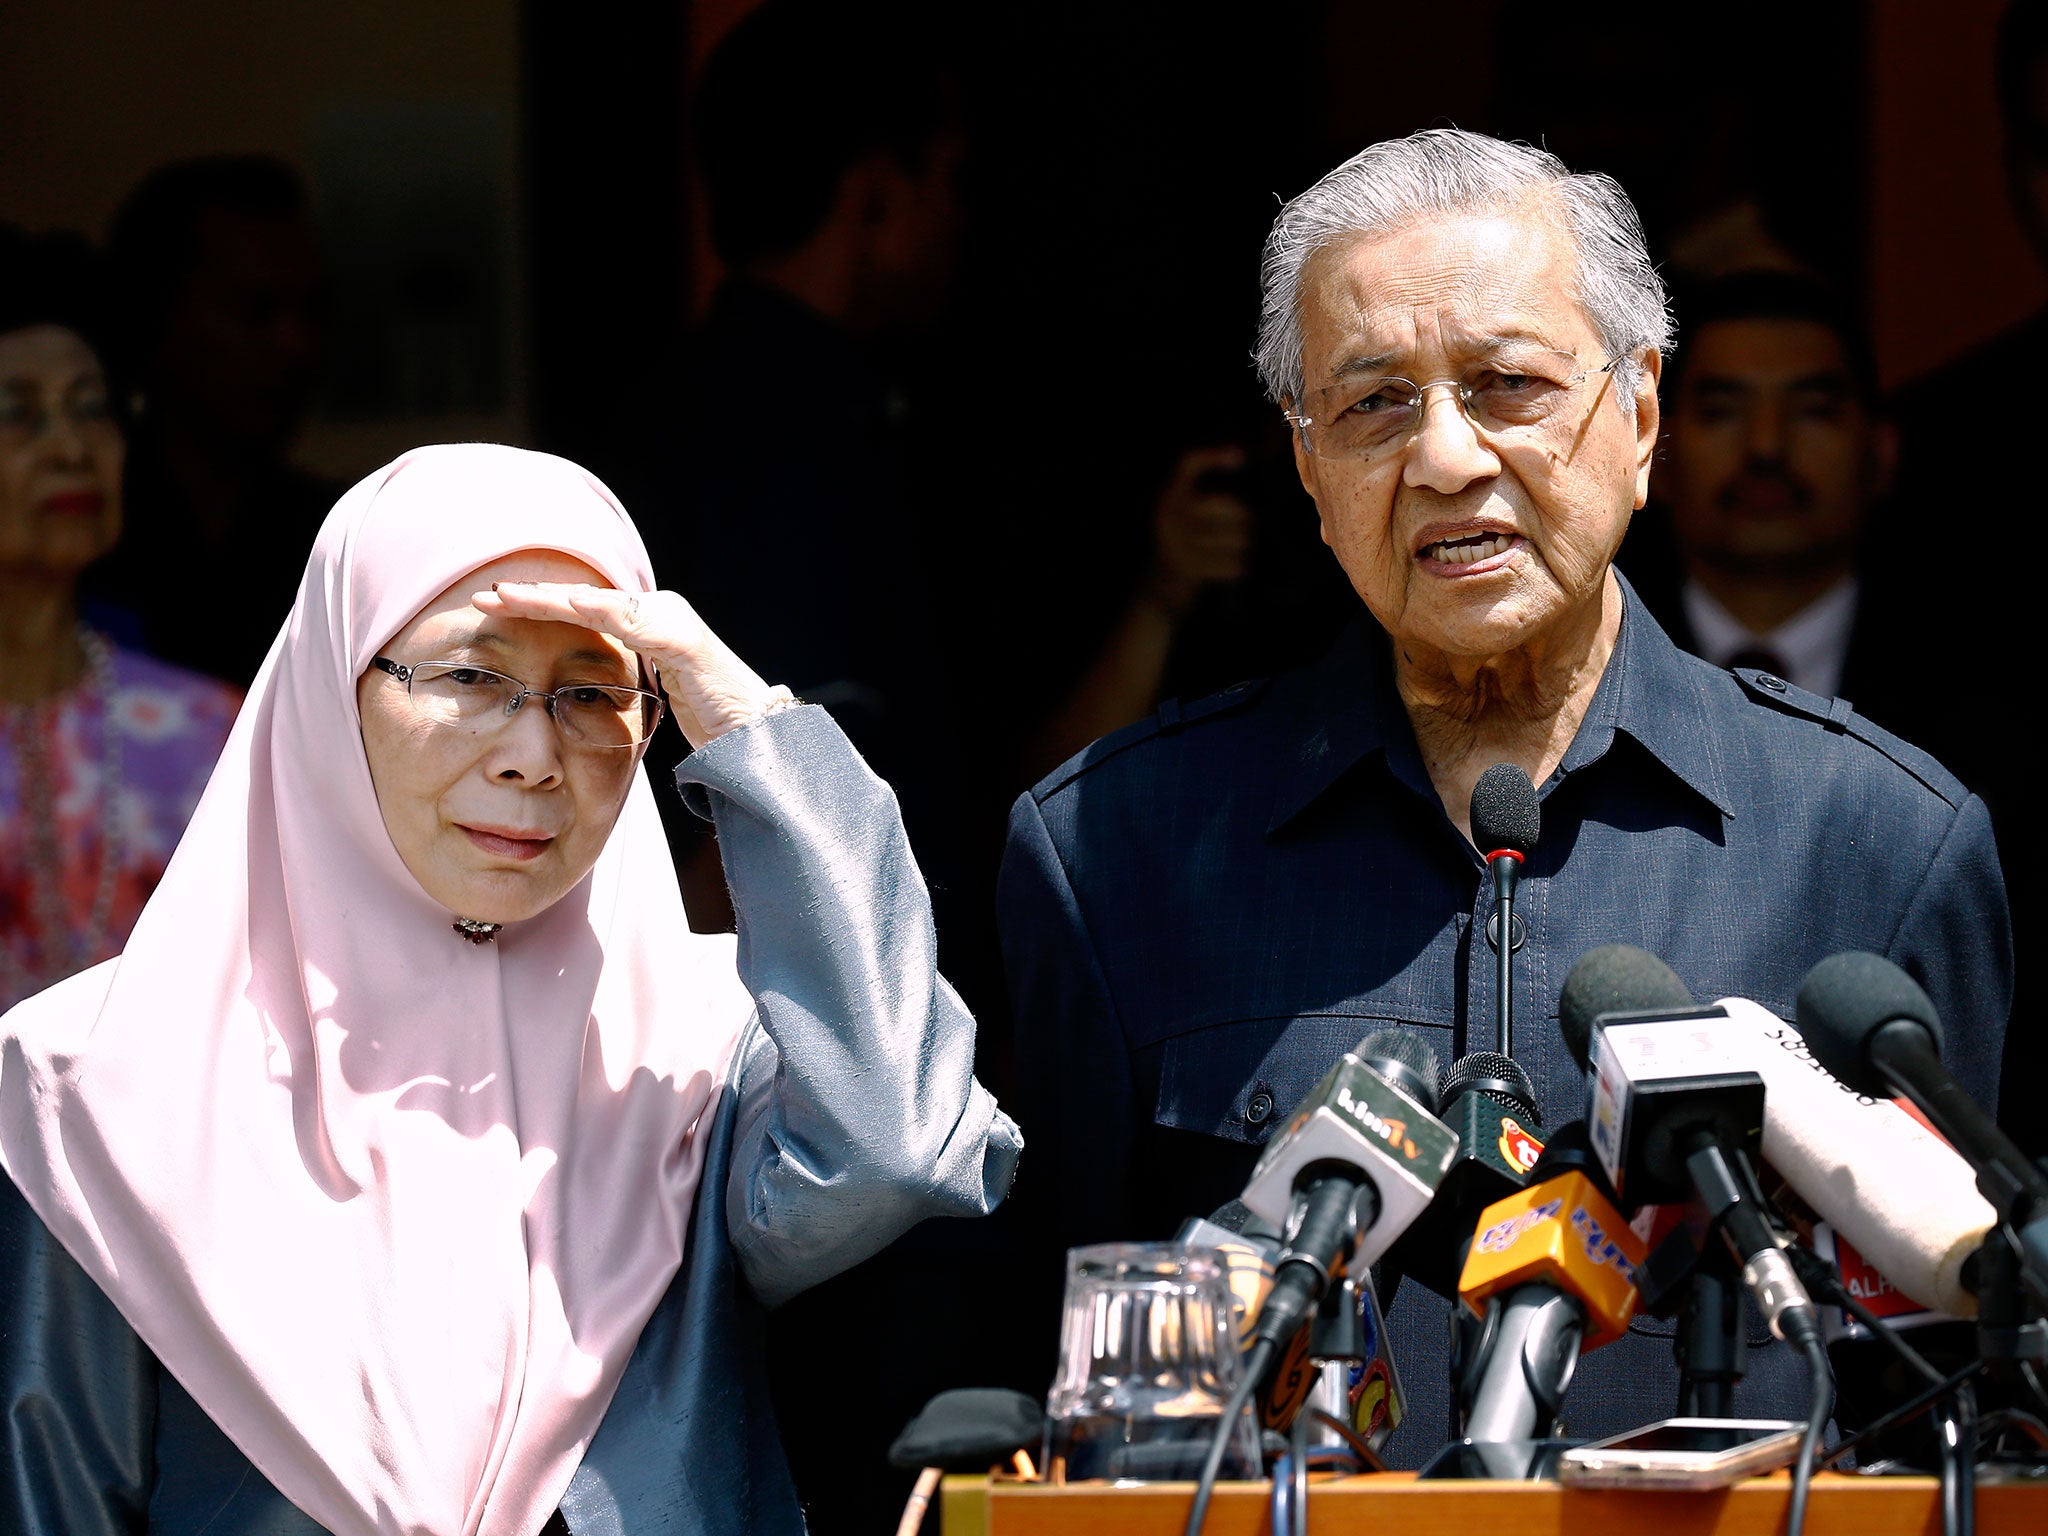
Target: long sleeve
{"x": 1957, "y": 941}
{"x": 859, "y": 1114}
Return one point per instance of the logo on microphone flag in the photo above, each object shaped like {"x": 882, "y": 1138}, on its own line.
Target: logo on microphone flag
{"x": 1561, "y": 1233}
{"x": 1518, "y": 1149}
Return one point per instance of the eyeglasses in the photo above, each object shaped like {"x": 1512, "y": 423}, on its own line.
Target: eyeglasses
{"x": 1372, "y": 415}
{"x": 605, "y": 715}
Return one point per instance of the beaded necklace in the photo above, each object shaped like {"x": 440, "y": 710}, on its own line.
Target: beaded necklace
{"x": 30, "y": 731}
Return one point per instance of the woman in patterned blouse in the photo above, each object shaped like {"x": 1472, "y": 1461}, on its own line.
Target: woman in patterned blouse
{"x": 103, "y": 752}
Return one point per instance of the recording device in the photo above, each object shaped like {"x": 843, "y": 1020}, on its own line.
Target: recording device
{"x": 1673, "y": 1117}
{"x": 1505, "y": 819}
{"x": 1901, "y": 1194}
{"x": 1552, "y": 1271}
{"x": 1491, "y": 1104}
{"x": 1871, "y": 1025}
{"x": 1683, "y": 1453}
{"x": 1355, "y": 1164}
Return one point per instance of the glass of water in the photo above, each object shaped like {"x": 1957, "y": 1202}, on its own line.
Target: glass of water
{"x": 1148, "y": 1359}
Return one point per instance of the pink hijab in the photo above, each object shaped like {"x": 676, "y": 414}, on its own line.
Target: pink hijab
{"x": 392, "y": 1206}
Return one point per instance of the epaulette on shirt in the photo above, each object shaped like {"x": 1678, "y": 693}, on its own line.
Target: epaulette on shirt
{"x": 1839, "y": 715}
{"x": 1173, "y": 715}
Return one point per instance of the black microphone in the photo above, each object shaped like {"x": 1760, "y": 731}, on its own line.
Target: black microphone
{"x": 1669, "y": 1124}
{"x": 1872, "y": 1026}
{"x": 1505, "y": 821}
{"x": 1358, "y": 1160}
{"x": 1490, "y": 1102}
{"x": 1615, "y": 978}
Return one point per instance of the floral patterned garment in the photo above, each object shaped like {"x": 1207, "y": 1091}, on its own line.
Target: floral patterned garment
{"x": 160, "y": 728}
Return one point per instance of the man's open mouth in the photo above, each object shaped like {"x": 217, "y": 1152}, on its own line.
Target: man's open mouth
{"x": 1467, "y": 547}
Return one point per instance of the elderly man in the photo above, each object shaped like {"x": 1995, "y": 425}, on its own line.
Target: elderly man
{"x": 1201, "y": 912}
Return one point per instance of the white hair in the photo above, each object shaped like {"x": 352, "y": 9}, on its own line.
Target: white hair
{"x": 1450, "y": 171}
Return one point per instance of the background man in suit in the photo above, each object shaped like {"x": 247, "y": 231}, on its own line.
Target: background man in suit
{"x": 1774, "y": 454}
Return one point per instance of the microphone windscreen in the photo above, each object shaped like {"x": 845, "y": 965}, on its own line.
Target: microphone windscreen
{"x": 1495, "y": 1075}
{"x": 970, "y": 1429}
{"x": 1615, "y": 978}
{"x": 1404, "y": 1059}
{"x": 1848, "y": 998}
{"x": 1504, "y": 810}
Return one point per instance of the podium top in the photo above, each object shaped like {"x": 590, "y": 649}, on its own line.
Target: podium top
{"x": 1842, "y": 1505}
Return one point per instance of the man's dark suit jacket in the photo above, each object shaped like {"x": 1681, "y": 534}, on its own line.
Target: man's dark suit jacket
{"x": 1203, "y": 911}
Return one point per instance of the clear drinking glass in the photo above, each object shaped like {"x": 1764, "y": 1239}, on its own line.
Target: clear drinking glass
{"x": 1148, "y": 1358}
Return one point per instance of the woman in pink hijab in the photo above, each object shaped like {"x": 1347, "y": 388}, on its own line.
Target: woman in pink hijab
{"x": 415, "y": 1169}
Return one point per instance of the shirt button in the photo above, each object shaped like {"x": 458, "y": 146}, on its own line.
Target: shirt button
{"x": 1771, "y": 681}
{"x": 1260, "y": 1108}
{"x": 1518, "y": 932}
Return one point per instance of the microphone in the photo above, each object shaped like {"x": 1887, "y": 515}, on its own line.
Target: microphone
{"x": 1356, "y": 1163}
{"x": 1490, "y": 1102}
{"x": 1872, "y": 1026}
{"x": 1672, "y": 1117}
{"x": 1505, "y": 820}
{"x": 1249, "y": 1250}
{"x": 1552, "y": 1271}
{"x": 1900, "y": 1194}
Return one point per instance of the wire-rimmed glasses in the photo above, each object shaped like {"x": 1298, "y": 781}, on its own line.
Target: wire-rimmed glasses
{"x": 603, "y": 715}
{"x": 1366, "y": 416}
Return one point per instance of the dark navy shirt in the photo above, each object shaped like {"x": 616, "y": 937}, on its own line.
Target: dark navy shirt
{"x": 1203, "y": 911}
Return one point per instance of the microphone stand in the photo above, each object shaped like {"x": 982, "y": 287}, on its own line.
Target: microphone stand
{"x": 1506, "y": 866}
{"x": 1710, "y": 1343}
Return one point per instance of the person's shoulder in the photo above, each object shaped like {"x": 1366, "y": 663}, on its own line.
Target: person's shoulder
{"x": 1139, "y": 749}
{"x": 1808, "y": 730}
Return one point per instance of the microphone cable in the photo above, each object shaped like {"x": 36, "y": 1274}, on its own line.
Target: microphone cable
{"x": 1956, "y": 1440}
{"x": 1821, "y": 1379}
{"x": 1257, "y": 1360}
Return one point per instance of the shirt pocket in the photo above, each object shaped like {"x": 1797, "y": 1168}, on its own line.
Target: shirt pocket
{"x": 1240, "y": 1078}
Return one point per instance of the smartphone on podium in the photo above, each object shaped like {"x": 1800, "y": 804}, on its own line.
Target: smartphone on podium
{"x": 1683, "y": 1453}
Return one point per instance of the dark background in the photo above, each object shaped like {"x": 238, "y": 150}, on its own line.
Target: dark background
{"x": 1128, "y": 159}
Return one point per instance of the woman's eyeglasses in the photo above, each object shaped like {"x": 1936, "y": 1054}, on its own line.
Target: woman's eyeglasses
{"x": 606, "y": 715}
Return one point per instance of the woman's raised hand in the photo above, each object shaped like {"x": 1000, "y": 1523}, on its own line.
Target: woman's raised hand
{"x": 709, "y": 688}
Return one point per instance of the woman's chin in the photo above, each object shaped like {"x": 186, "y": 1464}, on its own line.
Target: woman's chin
{"x": 501, "y": 897}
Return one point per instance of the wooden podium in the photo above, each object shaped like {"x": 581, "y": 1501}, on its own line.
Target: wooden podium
{"x": 1393, "y": 1502}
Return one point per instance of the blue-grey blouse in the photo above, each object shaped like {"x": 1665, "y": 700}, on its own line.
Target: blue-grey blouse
{"x": 851, "y": 1114}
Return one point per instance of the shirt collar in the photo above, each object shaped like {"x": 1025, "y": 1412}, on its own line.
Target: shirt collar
{"x": 1811, "y": 646}
{"x": 1350, "y": 710}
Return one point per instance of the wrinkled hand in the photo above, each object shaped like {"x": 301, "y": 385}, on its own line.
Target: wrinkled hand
{"x": 1200, "y": 535}
{"x": 709, "y": 689}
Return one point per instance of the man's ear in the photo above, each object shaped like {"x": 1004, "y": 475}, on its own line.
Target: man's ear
{"x": 1649, "y": 418}
{"x": 1304, "y": 462}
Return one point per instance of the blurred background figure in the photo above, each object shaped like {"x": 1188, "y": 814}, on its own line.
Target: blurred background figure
{"x": 103, "y": 752}
{"x": 220, "y": 305}
{"x": 829, "y": 148}
{"x": 1774, "y": 454}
